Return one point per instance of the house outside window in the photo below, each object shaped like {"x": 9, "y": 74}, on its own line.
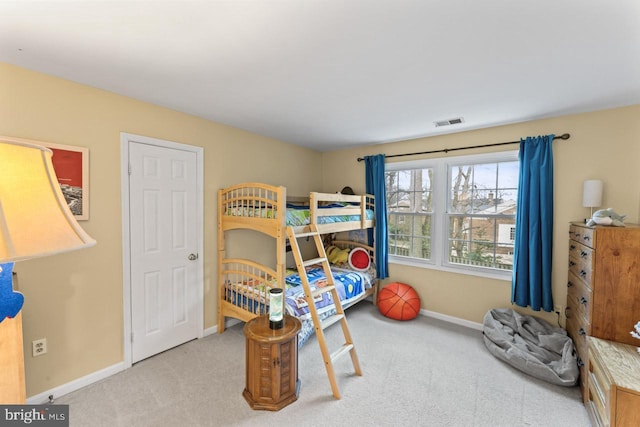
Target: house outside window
{"x": 454, "y": 213}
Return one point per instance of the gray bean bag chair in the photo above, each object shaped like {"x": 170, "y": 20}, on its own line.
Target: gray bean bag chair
{"x": 531, "y": 345}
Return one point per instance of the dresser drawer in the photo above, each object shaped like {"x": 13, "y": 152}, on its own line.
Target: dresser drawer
{"x": 578, "y": 329}
{"x": 578, "y": 298}
{"x": 581, "y": 253}
{"x": 584, "y": 235}
{"x": 595, "y": 408}
{"x": 599, "y": 389}
{"x": 580, "y": 270}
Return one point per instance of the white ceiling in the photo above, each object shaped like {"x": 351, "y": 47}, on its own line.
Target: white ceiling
{"x": 329, "y": 74}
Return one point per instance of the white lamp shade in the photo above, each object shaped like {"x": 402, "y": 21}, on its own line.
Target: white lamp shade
{"x": 34, "y": 217}
{"x": 592, "y": 193}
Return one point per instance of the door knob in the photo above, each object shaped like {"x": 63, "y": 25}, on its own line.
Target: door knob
{"x": 193, "y": 257}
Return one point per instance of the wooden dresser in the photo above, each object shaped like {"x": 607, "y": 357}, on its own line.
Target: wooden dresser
{"x": 614, "y": 383}
{"x": 272, "y": 363}
{"x": 603, "y": 295}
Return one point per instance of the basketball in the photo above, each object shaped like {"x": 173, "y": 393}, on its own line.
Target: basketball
{"x": 399, "y": 301}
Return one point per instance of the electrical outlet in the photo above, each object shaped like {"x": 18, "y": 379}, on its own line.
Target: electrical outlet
{"x": 39, "y": 347}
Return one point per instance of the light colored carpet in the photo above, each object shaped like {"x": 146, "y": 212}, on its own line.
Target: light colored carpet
{"x": 424, "y": 372}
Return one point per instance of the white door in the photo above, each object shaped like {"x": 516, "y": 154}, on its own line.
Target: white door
{"x": 165, "y": 293}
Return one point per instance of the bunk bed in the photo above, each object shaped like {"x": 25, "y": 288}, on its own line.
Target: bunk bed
{"x": 243, "y": 284}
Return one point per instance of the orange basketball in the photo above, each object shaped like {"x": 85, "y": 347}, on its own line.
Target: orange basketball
{"x": 399, "y": 301}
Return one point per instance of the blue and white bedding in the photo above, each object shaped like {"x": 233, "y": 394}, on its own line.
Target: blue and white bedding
{"x": 297, "y": 216}
{"x": 350, "y": 285}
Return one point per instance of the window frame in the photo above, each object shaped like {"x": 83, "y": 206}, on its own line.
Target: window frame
{"x": 441, "y": 188}
{"x": 409, "y": 214}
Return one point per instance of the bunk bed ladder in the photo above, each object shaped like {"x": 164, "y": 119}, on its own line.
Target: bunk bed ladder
{"x": 320, "y": 325}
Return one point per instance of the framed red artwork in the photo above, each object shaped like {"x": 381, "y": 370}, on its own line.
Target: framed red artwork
{"x": 71, "y": 165}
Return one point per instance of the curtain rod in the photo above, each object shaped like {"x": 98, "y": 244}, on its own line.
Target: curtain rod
{"x": 446, "y": 150}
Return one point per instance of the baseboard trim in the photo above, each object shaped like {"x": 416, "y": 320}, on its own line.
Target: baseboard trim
{"x": 77, "y": 384}
{"x": 451, "y": 319}
{"x": 214, "y": 329}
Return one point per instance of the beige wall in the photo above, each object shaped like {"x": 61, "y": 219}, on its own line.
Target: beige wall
{"x": 75, "y": 299}
{"x": 603, "y": 145}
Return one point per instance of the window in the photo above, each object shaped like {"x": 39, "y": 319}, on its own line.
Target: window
{"x": 454, "y": 213}
{"x": 409, "y": 210}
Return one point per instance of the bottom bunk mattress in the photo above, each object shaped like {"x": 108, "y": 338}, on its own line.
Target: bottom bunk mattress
{"x": 350, "y": 285}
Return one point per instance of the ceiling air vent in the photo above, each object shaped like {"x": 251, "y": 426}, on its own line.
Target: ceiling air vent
{"x": 449, "y": 122}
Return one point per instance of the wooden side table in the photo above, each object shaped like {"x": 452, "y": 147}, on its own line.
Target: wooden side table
{"x": 271, "y": 363}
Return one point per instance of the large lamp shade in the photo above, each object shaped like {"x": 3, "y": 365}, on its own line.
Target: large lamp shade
{"x": 35, "y": 220}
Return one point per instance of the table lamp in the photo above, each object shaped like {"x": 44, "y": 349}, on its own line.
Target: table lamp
{"x": 592, "y": 194}
{"x": 35, "y": 221}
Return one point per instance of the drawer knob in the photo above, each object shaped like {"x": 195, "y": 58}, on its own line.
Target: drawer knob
{"x": 583, "y": 300}
{"x": 572, "y": 247}
{"x": 569, "y": 284}
{"x": 587, "y": 238}
{"x": 583, "y": 273}
{"x": 582, "y": 332}
{"x": 580, "y": 362}
{"x": 571, "y": 263}
{"x": 583, "y": 254}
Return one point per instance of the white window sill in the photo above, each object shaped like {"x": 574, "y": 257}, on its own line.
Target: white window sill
{"x": 504, "y": 276}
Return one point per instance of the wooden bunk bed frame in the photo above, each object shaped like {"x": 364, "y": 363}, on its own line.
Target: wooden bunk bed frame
{"x": 262, "y": 207}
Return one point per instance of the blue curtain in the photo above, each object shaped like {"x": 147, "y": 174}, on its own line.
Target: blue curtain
{"x": 374, "y": 175}
{"x": 531, "y": 282}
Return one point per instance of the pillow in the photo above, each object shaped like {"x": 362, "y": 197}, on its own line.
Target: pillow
{"x": 359, "y": 259}
{"x": 335, "y": 255}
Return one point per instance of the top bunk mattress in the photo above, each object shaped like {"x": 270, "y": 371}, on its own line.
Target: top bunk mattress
{"x": 297, "y": 215}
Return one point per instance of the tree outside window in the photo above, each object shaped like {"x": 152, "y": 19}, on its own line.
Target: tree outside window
{"x": 482, "y": 213}
{"x": 409, "y": 196}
